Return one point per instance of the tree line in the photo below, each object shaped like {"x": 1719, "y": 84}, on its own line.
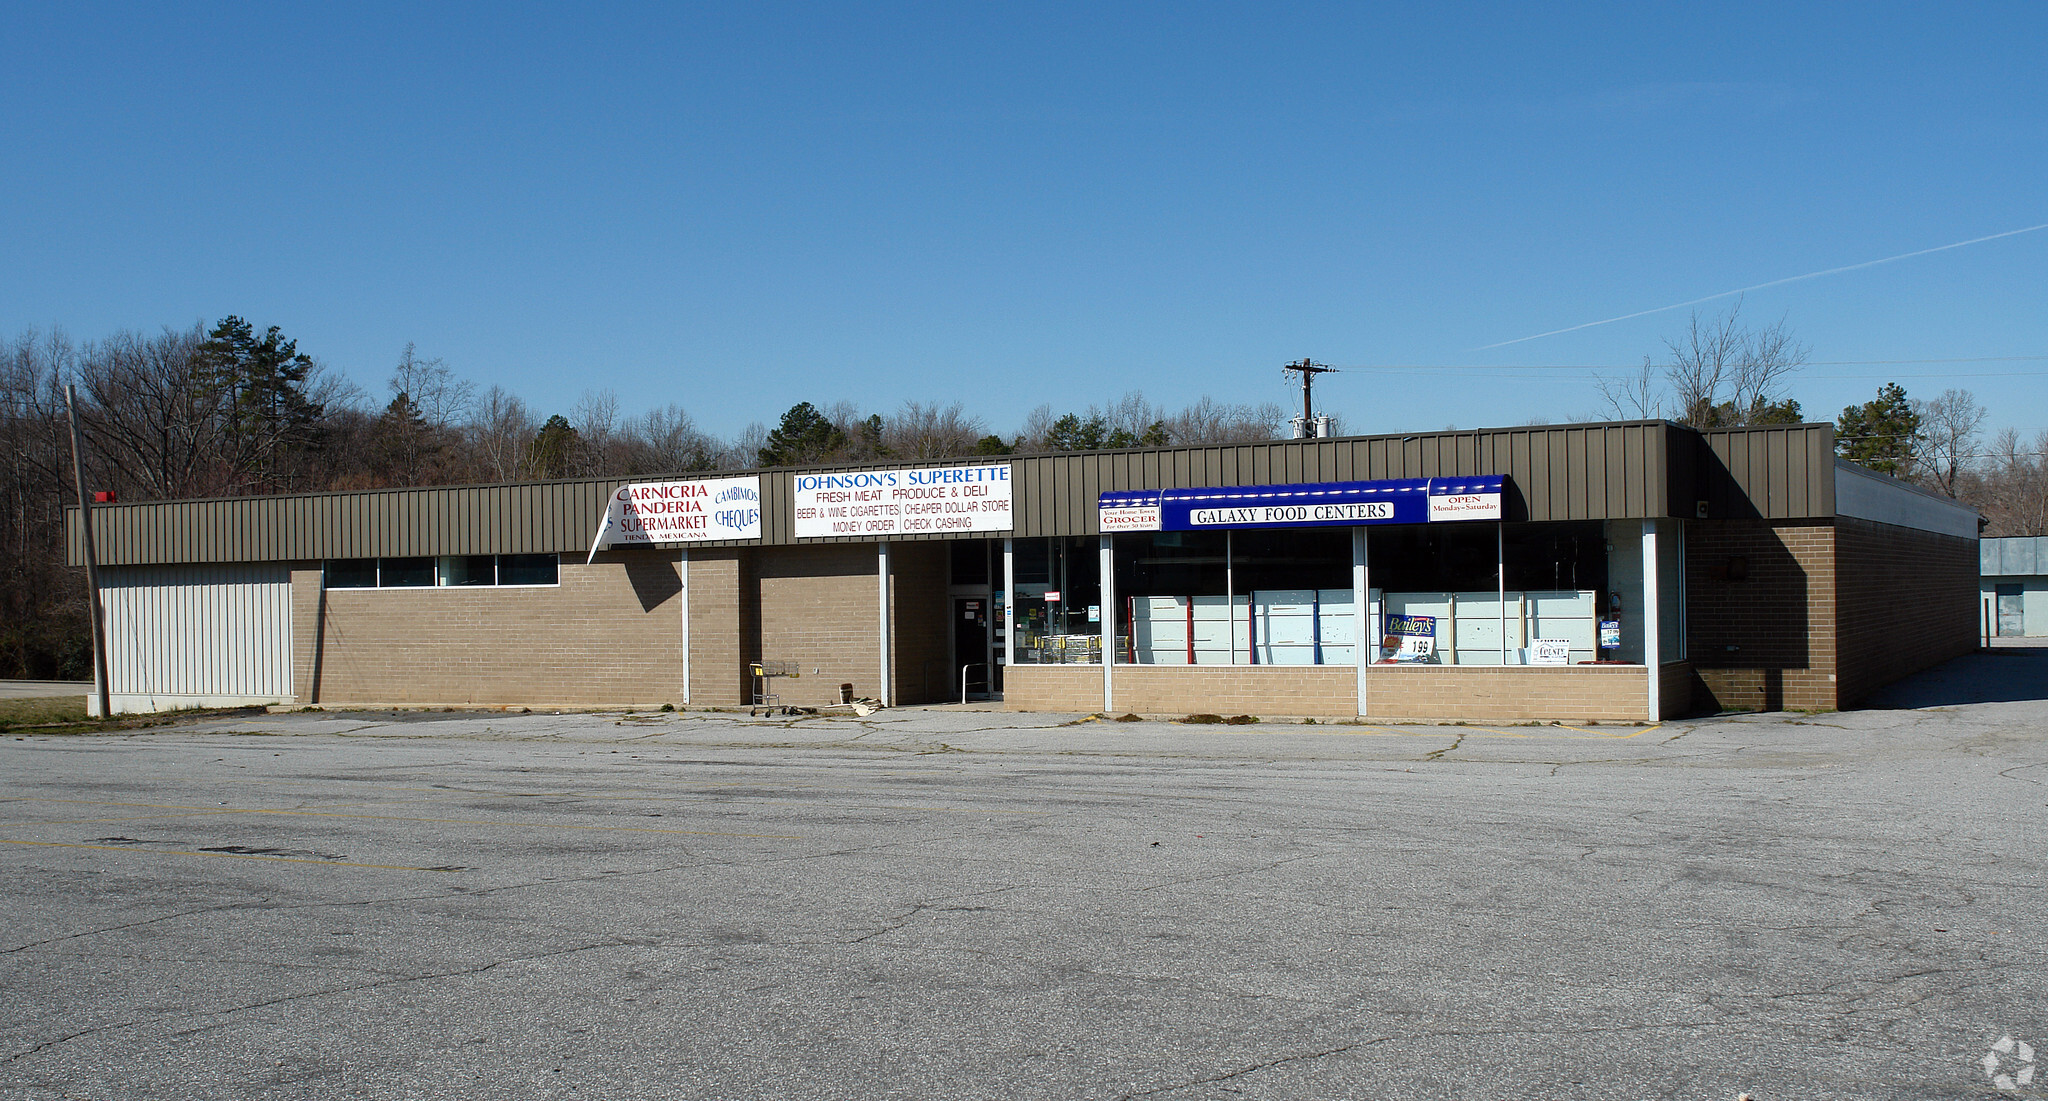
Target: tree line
{"x": 231, "y": 410}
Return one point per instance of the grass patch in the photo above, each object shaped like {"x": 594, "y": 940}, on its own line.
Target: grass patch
{"x": 66, "y": 715}
{"x": 1127, "y": 717}
{"x": 1241, "y": 720}
{"x": 1202, "y": 719}
{"x": 41, "y": 711}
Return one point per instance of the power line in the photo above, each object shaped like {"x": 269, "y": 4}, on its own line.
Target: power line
{"x": 1638, "y": 366}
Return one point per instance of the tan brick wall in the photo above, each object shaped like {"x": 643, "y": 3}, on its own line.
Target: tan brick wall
{"x": 1907, "y": 601}
{"x": 609, "y": 634}
{"x": 1423, "y": 692}
{"x": 1768, "y": 591}
{"x": 1330, "y": 690}
{"x": 820, "y": 606}
{"x": 1566, "y": 693}
{"x": 721, "y": 638}
{"x": 817, "y": 606}
{"x": 307, "y": 645}
{"x": 1053, "y": 688}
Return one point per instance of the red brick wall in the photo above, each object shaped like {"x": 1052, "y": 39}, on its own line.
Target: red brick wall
{"x": 1907, "y": 600}
{"x": 1760, "y": 615}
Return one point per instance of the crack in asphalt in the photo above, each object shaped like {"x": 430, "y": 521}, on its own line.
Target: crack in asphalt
{"x": 233, "y": 1011}
{"x": 1254, "y": 1068}
{"x": 1438, "y": 754}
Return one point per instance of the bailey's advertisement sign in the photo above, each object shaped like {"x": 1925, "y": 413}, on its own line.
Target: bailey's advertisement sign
{"x": 914, "y": 501}
{"x": 647, "y": 513}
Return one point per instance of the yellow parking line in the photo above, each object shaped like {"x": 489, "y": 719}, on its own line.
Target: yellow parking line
{"x": 231, "y": 856}
{"x": 1611, "y": 737}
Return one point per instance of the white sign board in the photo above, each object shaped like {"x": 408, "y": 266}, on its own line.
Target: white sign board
{"x": 1464, "y": 506}
{"x": 1128, "y": 518}
{"x": 1551, "y": 651}
{"x": 646, "y": 513}
{"x": 918, "y": 500}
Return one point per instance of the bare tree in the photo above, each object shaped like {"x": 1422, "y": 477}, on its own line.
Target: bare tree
{"x": 1209, "y": 422}
{"x": 744, "y": 452}
{"x": 1949, "y": 448}
{"x": 500, "y": 433}
{"x": 435, "y": 392}
{"x": 1036, "y": 429}
{"x": 864, "y": 432}
{"x": 417, "y": 435}
{"x": 1723, "y": 374}
{"x": 2011, "y": 488}
{"x": 920, "y": 431}
{"x": 1636, "y": 396}
{"x": 666, "y": 441}
{"x": 596, "y": 418}
{"x": 151, "y": 410}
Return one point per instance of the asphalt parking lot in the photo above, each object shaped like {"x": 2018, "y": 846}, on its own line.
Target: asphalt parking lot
{"x": 974, "y": 905}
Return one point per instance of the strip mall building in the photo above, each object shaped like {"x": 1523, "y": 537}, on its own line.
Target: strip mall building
{"x": 1610, "y": 572}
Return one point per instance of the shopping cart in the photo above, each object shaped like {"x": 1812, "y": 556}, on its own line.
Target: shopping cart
{"x": 765, "y": 673}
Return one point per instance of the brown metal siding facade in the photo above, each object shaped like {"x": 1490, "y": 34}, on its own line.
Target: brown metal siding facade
{"x": 1771, "y": 473}
{"x": 1624, "y": 470}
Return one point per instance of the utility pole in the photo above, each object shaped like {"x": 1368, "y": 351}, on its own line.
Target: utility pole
{"x": 92, "y": 559}
{"x": 1308, "y": 372}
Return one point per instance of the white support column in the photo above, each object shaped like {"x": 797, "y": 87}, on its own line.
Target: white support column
{"x": 683, "y": 599}
{"x": 1108, "y": 621}
{"x": 882, "y": 621}
{"x": 1230, "y": 596}
{"x": 1009, "y": 603}
{"x": 1364, "y": 646}
{"x": 1653, "y": 626}
{"x": 1500, "y": 575}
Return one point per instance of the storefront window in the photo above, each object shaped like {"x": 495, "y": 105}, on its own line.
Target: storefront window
{"x": 1625, "y": 608}
{"x": 1489, "y": 594}
{"x": 1472, "y": 593}
{"x": 1058, "y": 600}
{"x": 1236, "y": 598}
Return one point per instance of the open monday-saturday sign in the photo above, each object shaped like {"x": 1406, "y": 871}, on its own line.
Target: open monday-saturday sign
{"x": 1308, "y": 504}
{"x": 911, "y": 501}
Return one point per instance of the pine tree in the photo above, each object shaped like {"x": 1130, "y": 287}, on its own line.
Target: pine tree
{"x": 1883, "y": 434}
{"x": 257, "y": 387}
{"x": 804, "y": 436}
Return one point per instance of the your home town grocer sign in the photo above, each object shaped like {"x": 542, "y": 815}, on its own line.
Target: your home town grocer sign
{"x": 1307, "y": 504}
{"x": 914, "y": 501}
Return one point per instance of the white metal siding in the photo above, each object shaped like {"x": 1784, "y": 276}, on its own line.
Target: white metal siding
{"x": 199, "y": 630}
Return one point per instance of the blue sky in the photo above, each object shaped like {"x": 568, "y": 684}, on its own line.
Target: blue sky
{"x": 740, "y": 207}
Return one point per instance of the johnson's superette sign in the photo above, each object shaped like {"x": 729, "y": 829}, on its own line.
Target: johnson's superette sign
{"x": 1308, "y": 504}
{"x": 647, "y": 513}
{"x": 912, "y": 501}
